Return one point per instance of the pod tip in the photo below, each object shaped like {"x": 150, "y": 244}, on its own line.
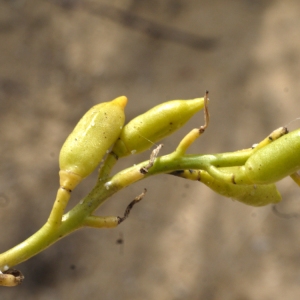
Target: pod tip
{"x": 122, "y": 101}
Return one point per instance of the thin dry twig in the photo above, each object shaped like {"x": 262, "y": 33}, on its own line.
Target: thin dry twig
{"x": 130, "y": 206}
{"x": 153, "y": 156}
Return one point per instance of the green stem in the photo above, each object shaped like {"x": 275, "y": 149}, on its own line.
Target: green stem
{"x": 77, "y": 217}
{"x": 107, "y": 166}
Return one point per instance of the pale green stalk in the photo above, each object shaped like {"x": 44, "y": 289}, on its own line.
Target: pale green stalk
{"x": 76, "y": 217}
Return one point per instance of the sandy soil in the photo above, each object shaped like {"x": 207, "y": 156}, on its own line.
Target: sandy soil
{"x": 60, "y": 57}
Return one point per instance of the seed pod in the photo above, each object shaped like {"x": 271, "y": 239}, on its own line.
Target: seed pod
{"x": 157, "y": 123}
{"x": 94, "y": 134}
{"x": 254, "y": 195}
{"x": 273, "y": 162}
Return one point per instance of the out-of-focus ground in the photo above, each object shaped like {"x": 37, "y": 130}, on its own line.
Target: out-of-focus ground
{"x": 58, "y": 58}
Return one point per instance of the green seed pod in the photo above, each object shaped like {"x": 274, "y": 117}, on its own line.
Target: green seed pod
{"x": 257, "y": 195}
{"x": 94, "y": 134}
{"x": 157, "y": 123}
{"x": 254, "y": 195}
{"x": 273, "y": 162}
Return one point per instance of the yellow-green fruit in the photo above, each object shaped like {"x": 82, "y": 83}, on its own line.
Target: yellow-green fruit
{"x": 254, "y": 195}
{"x": 275, "y": 161}
{"x": 157, "y": 123}
{"x": 94, "y": 134}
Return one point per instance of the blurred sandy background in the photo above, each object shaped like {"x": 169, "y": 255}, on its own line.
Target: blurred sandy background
{"x": 58, "y": 58}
